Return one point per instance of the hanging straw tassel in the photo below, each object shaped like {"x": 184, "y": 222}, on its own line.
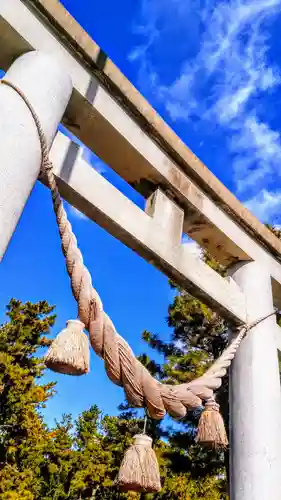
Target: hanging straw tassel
{"x": 69, "y": 352}
{"x": 139, "y": 469}
{"x": 211, "y": 429}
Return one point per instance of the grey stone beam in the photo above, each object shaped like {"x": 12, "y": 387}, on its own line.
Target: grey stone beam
{"x": 154, "y": 234}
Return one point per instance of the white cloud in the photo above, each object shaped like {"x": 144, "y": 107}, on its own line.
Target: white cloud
{"x": 265, "y": 204}
{"x": 192, "y": 246}
{"x": 77, "y": 214}
{"x": 93, "y": 160}
{"x": 224, "y": 77}
{"x": 85, "y": 152}
{"x": 259, "y": 158}
{"x": 232, "y": 47}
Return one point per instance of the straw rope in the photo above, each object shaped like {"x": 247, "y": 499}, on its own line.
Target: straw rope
{"x": 121, "y": 365}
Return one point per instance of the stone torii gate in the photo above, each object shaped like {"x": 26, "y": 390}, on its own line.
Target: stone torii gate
{"x": 45, "y": 52}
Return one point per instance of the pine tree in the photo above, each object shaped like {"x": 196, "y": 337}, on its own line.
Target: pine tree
{"x": 92, "y": 460}
{"x": 74, "y": 460}
{"x": 22, "y": 430}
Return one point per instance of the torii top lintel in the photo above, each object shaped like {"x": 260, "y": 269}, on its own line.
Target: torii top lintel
{"x": 90, "y": 54}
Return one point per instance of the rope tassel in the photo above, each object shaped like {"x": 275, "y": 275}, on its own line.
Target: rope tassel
{"x": 139, "y": 470}
{"x": 211, "y": 429}
{"x": 69, "y": 352}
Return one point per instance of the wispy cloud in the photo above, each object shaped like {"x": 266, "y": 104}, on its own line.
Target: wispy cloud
{"x": 265, "y": 204}
{"x": 225, "y": 75}
{"x": 259, "y": 155}
{"x": 192, "y": 246}
{"x": 73, "y": 212}
{"x": 85, "y": 152}
{"x": 94, "y": 160}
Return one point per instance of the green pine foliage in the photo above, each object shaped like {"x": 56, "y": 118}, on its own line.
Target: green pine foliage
{"x": 80, "y": 459}
{"x": 22, "y": 430}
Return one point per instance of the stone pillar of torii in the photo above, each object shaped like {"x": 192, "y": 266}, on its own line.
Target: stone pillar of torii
{"x": 42, "y": 79}
{"x": 255, "y": 416}
{"x": 255, "y": 406}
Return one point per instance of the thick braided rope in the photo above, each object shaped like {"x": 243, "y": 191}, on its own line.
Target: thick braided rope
{"x": 122, "y": 367}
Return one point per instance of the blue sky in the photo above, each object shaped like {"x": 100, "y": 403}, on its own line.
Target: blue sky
{"x": 213, "y": 71}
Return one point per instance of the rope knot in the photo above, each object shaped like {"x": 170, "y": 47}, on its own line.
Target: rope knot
{"x": 212, "y": 405}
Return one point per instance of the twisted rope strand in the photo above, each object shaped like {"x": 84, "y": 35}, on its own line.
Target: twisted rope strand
{"x": 121, "y": 365}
